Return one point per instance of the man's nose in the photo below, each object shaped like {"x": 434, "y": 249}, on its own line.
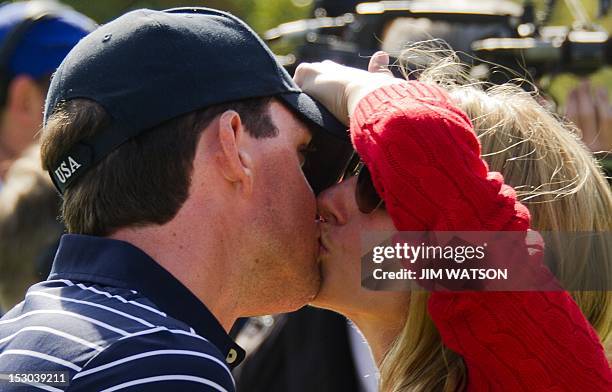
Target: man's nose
{"x": 336, "y": 203}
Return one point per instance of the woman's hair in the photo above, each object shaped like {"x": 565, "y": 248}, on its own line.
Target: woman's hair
{"x": 554, "y": 175}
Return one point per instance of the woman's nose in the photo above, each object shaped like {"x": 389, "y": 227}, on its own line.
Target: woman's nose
{"x": 337, "y": 203}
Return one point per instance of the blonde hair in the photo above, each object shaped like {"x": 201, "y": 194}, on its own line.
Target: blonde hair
{"x": 554, "y": 176}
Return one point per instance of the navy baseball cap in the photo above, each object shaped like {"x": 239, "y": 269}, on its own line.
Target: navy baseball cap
{"x": 147, "y": 67}
{"x": 38, "y": 51}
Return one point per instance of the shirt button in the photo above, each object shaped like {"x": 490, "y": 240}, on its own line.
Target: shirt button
{"x": 232, "y": 355}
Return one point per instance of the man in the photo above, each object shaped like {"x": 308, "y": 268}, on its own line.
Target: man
{"x": 34, "y": 38}
{"x": 177, "y": 142}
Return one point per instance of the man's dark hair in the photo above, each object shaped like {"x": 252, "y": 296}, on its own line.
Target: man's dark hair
{"x": 144, "y": 181}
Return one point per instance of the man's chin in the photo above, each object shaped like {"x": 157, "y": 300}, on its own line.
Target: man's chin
{"x": 306, "y": 293}
{"x": 285, "y": 304}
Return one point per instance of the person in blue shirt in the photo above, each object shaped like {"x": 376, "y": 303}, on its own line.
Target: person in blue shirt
{"x": 35, "y": 36}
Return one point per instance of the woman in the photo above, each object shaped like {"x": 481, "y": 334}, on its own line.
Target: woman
{"x": 425, "y": 163}
{"x": 553, "y": 174}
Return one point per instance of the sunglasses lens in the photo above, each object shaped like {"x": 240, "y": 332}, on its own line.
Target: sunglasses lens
{"x": 367, "y": 198}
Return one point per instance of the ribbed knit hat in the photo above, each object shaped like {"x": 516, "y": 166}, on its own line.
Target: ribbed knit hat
{"x": 425, "y": 162}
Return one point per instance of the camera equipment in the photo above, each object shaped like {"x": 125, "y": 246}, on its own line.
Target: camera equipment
{"x": 480, "y": 31}
{"x": 352, "y": 37}
{"x": 581, "y": 49}
{"x": 556, "y": 50}
{"x": 501, "y": 32}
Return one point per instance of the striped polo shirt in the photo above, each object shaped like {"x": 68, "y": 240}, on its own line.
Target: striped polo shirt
{"x": 110, "y": 318}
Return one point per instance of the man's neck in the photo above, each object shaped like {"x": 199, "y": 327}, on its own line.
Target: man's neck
{"x": 199, "y": 264}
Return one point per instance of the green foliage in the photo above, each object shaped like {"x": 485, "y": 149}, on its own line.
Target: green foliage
{"x": 261, "y": 15}
{"x": 270, "y": 13}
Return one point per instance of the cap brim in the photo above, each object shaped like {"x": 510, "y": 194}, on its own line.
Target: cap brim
{"x": 331, "y": 145}
{"x": 316, "y": 114}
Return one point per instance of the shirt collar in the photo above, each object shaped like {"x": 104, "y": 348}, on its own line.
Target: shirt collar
{"x": 120, "y": 264}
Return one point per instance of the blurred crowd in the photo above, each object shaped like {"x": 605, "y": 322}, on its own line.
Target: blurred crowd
{"x": 557, "y": 171}
{"x": 34, "y": 39}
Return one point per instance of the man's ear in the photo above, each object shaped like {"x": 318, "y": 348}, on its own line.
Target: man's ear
{"x": 235, "y": 161}
{"x": 25, "y": 101}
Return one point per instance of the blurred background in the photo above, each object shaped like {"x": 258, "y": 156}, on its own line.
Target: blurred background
{"x": 260, "y": 14}
{"x": 264, "y": 15}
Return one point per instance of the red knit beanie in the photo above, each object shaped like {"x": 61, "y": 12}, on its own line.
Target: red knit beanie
{"x": 425, "y": 162}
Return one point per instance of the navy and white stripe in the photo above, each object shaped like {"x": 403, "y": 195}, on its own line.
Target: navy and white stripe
{"x": 115, "y": 320}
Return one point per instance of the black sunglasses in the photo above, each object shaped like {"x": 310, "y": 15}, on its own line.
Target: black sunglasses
{"x": 367, "y": 198}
